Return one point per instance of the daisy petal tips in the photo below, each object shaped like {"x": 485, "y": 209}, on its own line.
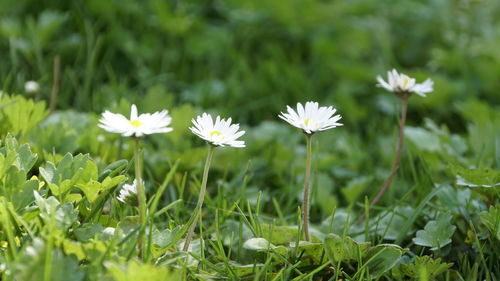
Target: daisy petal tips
{"x": 311, "y": 117}
{"x": 403, "y": 85}
{"x": 128, "y": 193}
{"x": 218, "y": 133}
{"x": 137, "y": 125}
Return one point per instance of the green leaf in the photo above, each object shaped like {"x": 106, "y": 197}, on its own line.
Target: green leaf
{"x": 65, "y": 215}
{"x": 15, "y": 163}
{"x": 479, "y": 177}
{"x": 164, "y": 238}
{"x": 454, "y": 199}
{"x": 262, "y": 245}
{"x": 21, "y": 115}
{"x": 134, "y": 271}
{"x": 307, "y": 249}
{"x": 433, "y": 267}
{"x": 279, "y": 234}
{"x": 389, "y": 224}
{"x": 491, "y": 219}
{"x": 437, "y": 233}
{"x": 68, "y": 172}
{"x": 355, "y": 188}
{"x": 71, "y": 247}
{"x": 344, "y": 249}
{"x": 244, "y": 269}
{"x": 258, "y": 244}
{"x": 25, "y": 158}
{"x": 381, "y": 258}
{"x": 32, "y": 263}
{"x": 91, "y": 190}
{"x": 423, "y": 139}
{"x": 87, "y": 231}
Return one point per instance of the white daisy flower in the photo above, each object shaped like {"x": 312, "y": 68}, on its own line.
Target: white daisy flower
{"x": 138, "y": 125}
{"x": 31, "y": 87}
{"x": 312, "y": 118}
{"x": 400, "y": 83}
{"x": 220, "y": 133}
{"x": 128, "y": 194}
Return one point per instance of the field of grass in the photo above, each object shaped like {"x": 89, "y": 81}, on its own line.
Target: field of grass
{"x": 61, "y": 174}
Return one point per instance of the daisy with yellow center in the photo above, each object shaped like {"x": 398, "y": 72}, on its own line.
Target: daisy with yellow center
{"x": 401, "y": 84}
{"x": 310, "y": 118}
{"x": 218, "y": 133}
{"x": 137, "y": 125}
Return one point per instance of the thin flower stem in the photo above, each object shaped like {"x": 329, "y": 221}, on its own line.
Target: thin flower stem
{"x": 141, "y": 194}
{"x": 307, "y": 191}
{"x": 201, "y": 197}
{"x": 397, "y": 157}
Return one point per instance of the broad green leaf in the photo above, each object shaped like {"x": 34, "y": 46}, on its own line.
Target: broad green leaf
{"x": 15, "y": 163}
{"x": 454, "y": 199}
{"x": 355, "y": 188}
{"x": 113, "y": 169}
{"x": 90, "y": 189}
{"x": 32, "y": 262}
{"x": 25, "y": 158}
{"x": 21, "y": 115}
{"x": 479, "y": 177}
{"x": 74, "y": 248}
{"x": 423, "y": 139}
{"x": 258, "y": 244}
{"x": 165, "y": 237}
{"x": 381, "y": 258}
{"x": 279, "y": 234}
{"x": 339, "y": 248}
{"x": 433, "y": 267}
{"x": 308, "y": 250}
{"x": 65, "y": 215}
{"x": 244, "y": 269}
{"x": 134, "y": 271}
{"x": 389, "y": 224}
{"x": 87, "y": 231}
{"x": 262, "y": 245}
{"x": 437, "y": 233}
{"x": 491, "y": 219}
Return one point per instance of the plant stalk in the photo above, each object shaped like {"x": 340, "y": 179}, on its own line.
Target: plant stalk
{"x": 201, "y": 197}
{"x": 141, "y": 194}
{"x": 399, "y": 148}
{"x": 307, "y": 188}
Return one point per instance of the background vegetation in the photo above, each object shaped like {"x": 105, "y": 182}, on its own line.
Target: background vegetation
{"x": 248, "y": 59}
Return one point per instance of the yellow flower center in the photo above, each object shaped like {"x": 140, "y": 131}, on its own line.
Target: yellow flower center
{"x": 136, "y": 123}
{"x": 215, "y": 133}
{"x": 309, "y": 120}
{"x": 405, "y": 82}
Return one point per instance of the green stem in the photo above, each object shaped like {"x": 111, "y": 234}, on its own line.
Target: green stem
{"x": 307, "y": 189}
{"x": 201, "y": 197}
{"x": 141, "y": 194}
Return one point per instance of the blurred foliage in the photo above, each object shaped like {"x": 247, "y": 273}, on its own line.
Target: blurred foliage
{"x": 214, "y": 53}
{"x": 248, "y": 59}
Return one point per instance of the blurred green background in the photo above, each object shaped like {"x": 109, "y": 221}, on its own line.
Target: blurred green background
{"x": 249, "y": 58}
